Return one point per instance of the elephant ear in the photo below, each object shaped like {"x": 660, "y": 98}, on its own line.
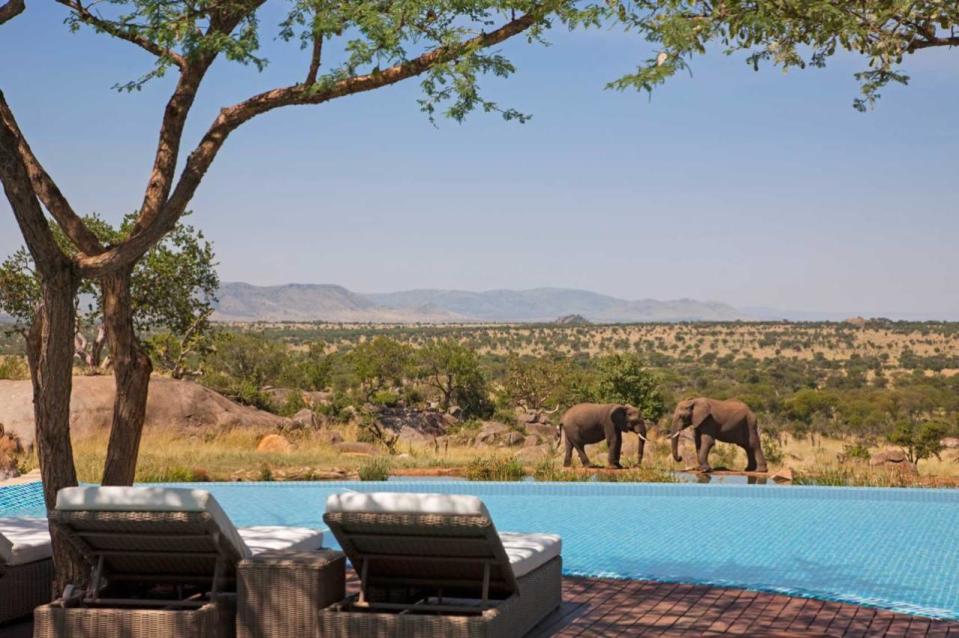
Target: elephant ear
{"x": 617, "y": 415}
{"x": 701, "y": 411}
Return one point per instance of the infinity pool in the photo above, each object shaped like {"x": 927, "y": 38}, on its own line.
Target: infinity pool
{"x": 891, "y": 548}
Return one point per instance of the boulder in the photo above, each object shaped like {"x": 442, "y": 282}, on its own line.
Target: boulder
{"x": 408, "y": 434}
{"x": 455, "y": 411}
{"x": 785, "y": 475}
{"x": 894, "y": 460}
{"x": 171, "y": 405}
{"x": 513, "y": 438}
{"x": 489, "y": 432}
{"x": 305, "y": 418}
{"x": 274, "y": 444}
{"x": 531, "y": 441}
{"x": 318, "y": 398}
{"x": 544, "y": 431}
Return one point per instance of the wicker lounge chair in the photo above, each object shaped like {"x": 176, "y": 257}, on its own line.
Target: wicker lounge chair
{"x": 26, "y": 569}
{"x": 434, "y": 565}
{"x": 163, "y": 563}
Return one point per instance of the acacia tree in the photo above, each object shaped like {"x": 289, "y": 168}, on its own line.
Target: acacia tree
{"x": 382, "y": 43}
{"x": 173, "y": 288}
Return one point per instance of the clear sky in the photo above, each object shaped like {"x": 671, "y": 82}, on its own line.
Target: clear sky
{"x": 757, "y": 189}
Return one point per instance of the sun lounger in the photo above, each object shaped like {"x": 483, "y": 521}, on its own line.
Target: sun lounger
{"x": 434, "y": 565}
{"x": 26, "y": 569}
{"x": 163, "y": 563}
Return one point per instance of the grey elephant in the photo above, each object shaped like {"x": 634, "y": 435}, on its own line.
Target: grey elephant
{"x": 714, "y": 420}
{"x": 587, "y": 423}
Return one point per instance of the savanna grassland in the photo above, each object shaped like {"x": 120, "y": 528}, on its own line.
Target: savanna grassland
{"x": 829, "y": 396}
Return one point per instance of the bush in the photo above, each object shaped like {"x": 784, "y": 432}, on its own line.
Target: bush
{"x": 385, "y": 398}
{"x": 494, "y": 468}
{"x": 772, "y": 449}
{"x": 13, "y": 369}
{"x": 856, "y": 451}
{"x": 376, "y": 469}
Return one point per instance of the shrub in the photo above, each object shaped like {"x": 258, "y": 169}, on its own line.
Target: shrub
{"x": 772, "y": 449}
{"x": 376, "y": 469}
{"x": 385, "y": 398}
{"x": 856, "y": 451}
{"x": 641, "y": 474}
{"x": 13, "y": 369}
{"x": 547, "y": 471}
{"x": 494, "y": 468}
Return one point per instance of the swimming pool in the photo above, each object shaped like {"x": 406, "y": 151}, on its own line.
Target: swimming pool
{"x": 891, "y": 548}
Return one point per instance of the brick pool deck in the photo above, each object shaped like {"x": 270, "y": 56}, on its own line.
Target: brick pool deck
{"x": 600, "y": 608}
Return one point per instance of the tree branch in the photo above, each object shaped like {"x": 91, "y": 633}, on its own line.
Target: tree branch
{"x": 315, "y": 58}
{"x": 118, "y": 31}
{"x": 928, "y": 43}
{"x": 11, "y": 9}
{"x": 230, "y": 118}
{"x": 45, "y": 188}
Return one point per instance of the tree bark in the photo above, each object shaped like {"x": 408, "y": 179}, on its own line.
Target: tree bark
{"x": 50, "y": 355}
{"x": 131, "y": 370}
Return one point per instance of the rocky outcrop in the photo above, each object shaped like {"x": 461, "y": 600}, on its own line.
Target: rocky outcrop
{"x": 171, "y": 404}
{"x": 893, "y": 460}
{"x": 274, "y": 444}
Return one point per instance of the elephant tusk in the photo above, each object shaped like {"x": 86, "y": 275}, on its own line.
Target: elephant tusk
{"x": 673, "y": 436}
{"x": 643, "y": 437}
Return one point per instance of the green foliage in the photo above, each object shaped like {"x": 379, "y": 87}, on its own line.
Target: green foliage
{"x": 386, "y": 398}
{"x": 172, "y": 288}
{"x": 623, "y": 378}
{"x": 377, "y": 468}
{"x": 494, "y": 468}
{"x": 536, "y": 383}
{"x": 772, "y": 449}
{"x": 856, "y": 451}
{"x": 453, "y": 370}
{"x": 790, "y": 35}
{"x": 919, "y": 439}
{"x": 379, "y": 363}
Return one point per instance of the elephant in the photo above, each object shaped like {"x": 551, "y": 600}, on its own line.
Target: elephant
{"x": 714, "y": 420}
{"x": 587, "y": 423}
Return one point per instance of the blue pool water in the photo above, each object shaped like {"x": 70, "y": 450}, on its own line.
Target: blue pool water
{"x": 891, "y": 548}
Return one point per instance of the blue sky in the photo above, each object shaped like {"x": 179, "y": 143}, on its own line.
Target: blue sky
{"x": 751, "y": 188}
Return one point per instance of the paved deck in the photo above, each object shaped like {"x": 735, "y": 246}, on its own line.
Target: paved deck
{"x": 608, "y": 607}
{"x": 601, "y": 608}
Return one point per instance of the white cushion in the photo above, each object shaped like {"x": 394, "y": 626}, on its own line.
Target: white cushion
{"x": 406, "y": 503}
{"x": 529, "y": 551}
{"x": 150, "y": 499}
{"x": 24, "y": 540}
{"x": 262, "y": 538}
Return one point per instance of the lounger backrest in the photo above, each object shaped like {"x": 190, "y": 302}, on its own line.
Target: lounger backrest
{"x": 427, "y": 539}
{"x": 156, "y": 534}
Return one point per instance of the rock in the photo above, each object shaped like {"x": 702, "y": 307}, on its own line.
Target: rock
{"x": 171, "y": 405}
{"x": 279, "y": 396}
{"x": 950, "y": 443}
{"x": 531, "y": 417}
{"x": 427, "y": 422}
{"x": 514, "y": 438}
{"x": 349, "y": 447}
{"x": 274, "y": 444}
{"x": 305, "y": 418}
{"x": 455, "y": 411}
{"x": 408, "y": 434}
{"x": 784, "y": 475}
{"x": 859, "y": 322}
{"x": 318, "y": 398}
{"x": 489, "y": 432}
{"x": 531, "y": 441}
{"x": 544, "y": 431}
{"x": 886, "y": 457}
{"x": 532, "y": 454}
{"x": 894, "y": 460}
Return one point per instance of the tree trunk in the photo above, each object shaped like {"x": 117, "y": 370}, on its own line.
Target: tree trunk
{"x": 131, "y": 370}
{"x": 50, "y": 355}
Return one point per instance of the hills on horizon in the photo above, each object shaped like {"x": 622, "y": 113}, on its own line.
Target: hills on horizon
{"x": 327, "y": 302}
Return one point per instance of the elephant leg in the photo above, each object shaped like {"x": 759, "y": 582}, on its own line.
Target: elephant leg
{"x": 568, "y": 457}
{"x": 750, "y": 458}
{"x": 615, "y": 449}
{"x": 757, "y": 459}
{"x": 704, "y": 450}
{"x": 581, "y": 451}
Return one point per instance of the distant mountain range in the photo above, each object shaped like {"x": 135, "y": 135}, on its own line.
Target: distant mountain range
{"x": 324, "y": 302}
